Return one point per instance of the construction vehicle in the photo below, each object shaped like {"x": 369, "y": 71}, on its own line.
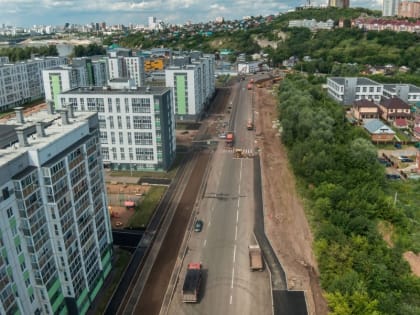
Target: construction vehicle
{"x": 238, "y": 154}
{"x": 255, "y": 258}
{"x": 249, "y": 124}
{"x": 230, "y": 139}
{"x": 191, "y": 287}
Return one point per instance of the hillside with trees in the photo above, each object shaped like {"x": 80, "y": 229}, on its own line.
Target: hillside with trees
{"x": 348, "y": 198}
{"x": 24, "y": 53}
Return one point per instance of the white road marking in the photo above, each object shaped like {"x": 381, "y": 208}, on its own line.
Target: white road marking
{"x": 237, "y": 216}
{"x": 238, "y": 203}
{"x": 240, "y": 172}
{"x": 205, "y": 243}
{"x": 236, "y": 233}
{"x": 233, "y": 274}
{"x": 209, "y": 223}
{"x": 231, "y": 299}
{"x": 234, "y": 253}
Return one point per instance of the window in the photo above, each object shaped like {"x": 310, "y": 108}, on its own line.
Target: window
{"x": 119, "y": 122}
{"x": 114, "y": 154}
{"x": 9, "y": 212}
{"x": 100, "y": 103}
{"x": 118, "y": 105}
{"x": 122, "y": 153}
{"x": 142, "y": 122}
{"x": 140, "y": 105}
{"x": 121, "y": 137}
{"x": 104, "y": 137}
{"x": 144, "y": 154}
{"x": 111, "y": 122}
{"x": 130, "y": 140}
{"x": 143, "y": 138}
{"x": 105, "y": 153}
{"x": 110, "y": 105}
{"x": 113, "y": 137}
{"x": 130, "y": 153}
{"x": 128, "y": 122}
{"x": 102, "y": 122}
{"x": 91, "y": 104}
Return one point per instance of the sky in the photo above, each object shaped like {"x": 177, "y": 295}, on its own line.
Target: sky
{"x": 56, "y": 12}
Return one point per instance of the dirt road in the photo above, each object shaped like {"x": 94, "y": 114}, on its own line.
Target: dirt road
{"x": 285, "y": 220}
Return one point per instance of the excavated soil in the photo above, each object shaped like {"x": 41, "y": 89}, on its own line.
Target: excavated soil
{"x": 286, "y": 224}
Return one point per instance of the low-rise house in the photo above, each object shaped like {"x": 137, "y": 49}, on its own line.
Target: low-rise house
{"x": 400, "y": 123}
{"x": 379, "y": 132}
{"x": 416, "y": 128}
{"x": 364, "y": 109}
{"x": 394, "y": 108}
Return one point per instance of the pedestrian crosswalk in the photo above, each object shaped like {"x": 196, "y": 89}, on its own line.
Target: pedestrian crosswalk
{"x": 239, "y": 152}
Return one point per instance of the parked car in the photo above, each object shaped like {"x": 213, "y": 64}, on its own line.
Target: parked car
{"x": 198, "y": 226}
{"x": 393, "y": 176}
{"x": 407, "y": 160}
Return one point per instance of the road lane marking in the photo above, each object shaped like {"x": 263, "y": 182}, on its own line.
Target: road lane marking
{"x": 230, "y": 300}
{"x": 237, "y": 216}
{"x": 234, "y": 253}
{"x": 205, "y": 242}
{"x": 233, "y": 274}
{"x": 238, "y": 203}
{"x": 236, "y": 233}
{"x": 209, "y": 223}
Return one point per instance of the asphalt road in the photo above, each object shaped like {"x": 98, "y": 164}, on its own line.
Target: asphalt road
{"x": 227, "y": 209}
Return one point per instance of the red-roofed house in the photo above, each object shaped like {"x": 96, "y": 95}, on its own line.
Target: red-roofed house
{"x": 416, "y": 128}
{"x": 394, "y": 108}
{"x": 365, "y": 109}
{"x": 401, "y": 123}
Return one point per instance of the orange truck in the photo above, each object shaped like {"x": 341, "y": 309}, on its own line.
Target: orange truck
{"x": 230, "y": 139}
{"x": 192, "y": 282}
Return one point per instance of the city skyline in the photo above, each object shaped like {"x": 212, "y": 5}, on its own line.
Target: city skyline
{"x": 28, "y": 13}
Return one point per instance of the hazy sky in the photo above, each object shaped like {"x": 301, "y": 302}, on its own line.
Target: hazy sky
{"x": 57, "y": 12}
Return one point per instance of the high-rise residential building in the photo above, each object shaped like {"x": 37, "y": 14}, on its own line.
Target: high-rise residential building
{"x": 339, "y": 3}
{"x": 95, "y": 69}
{"x": 122, "y": 64}
{"x": 192, "y": 82}
{"x": 137, "y": 124}
{"x": 21, "y": 82}
{"x": 61, "y": 79}
{"x": 409, "y": 9}
{"x": 55, "y": 232}
{"x": 390, "y": 7}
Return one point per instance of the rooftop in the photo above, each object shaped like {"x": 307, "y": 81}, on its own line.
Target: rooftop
{"x": 411, "y": 88}
{"x": 360, "y": 81}
{"x": 153, "y": 90}
{"x": 53, "y": 129}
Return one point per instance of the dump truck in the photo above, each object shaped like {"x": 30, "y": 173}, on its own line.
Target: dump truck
{"x": 249, "y": 124}
{"x": 230, "y": 139}
{"x": 191, "y": 287}
{"x": 255, "y": 258}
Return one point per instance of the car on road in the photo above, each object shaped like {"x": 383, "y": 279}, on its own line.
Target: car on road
{"x": 198, "y": 226}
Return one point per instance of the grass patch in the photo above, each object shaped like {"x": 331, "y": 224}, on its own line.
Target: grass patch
{"x": 122, "y": 258}
{"x": 146, "y": 208}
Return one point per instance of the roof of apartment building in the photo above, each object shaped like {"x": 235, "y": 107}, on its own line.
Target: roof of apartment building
{"x": 394, "y": 103}
{"x": 154, "y": 90}
{"x": 392, "y": 88}
{"x": 364, "y": 103}
{"x": 360, "y": 81}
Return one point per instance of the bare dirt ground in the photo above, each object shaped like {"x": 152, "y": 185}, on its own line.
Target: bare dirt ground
{"x": 285, "y": 219}
{"x": 414, "y": 262}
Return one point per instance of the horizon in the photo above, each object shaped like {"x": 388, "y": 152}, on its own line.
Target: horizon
{"x": 29, "y": 13}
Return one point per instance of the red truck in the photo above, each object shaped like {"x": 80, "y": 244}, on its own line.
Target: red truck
{"x": 192, "y": 282}
{"x": 230, "y": 139}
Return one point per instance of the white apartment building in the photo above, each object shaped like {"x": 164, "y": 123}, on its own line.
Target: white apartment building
{"x": 137, "y": 125}
{"x": 121, "y": 64}
{"x": 390, "y": 7}
{"x": 192, "y": 85}
{"x": 346, "y": 90}
{"x": 409, "y": 93}
{"x": 61, "y": 79}
{"x": 4, "y": 59}
{"x": 55, "y": 240}
{"x": 21, "y": 82}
